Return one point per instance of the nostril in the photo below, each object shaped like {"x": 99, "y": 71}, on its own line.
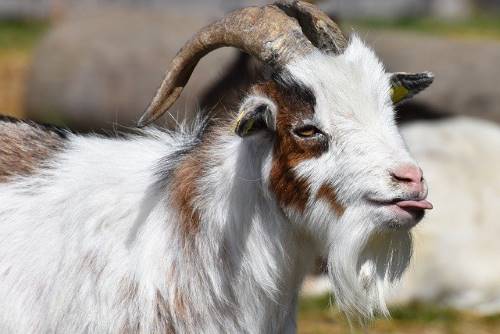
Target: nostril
{"x": 407, "y": 174}
{"x": 401, "y": 178}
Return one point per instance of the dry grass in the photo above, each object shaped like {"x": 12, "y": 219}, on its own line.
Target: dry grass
{"x": 14, "y": 65}
{"x": 17, "y": 40}
{"x": 315, "y": 317}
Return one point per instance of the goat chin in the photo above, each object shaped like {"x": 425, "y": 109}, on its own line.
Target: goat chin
{"x": 363, "y": 261}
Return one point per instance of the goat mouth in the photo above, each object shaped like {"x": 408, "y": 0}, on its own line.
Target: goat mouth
{"x": 405, "y": 212}
{"x": 404, "y": 203}
{"x": 414, "y": 204}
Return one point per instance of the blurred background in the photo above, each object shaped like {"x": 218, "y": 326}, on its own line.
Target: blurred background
{"x": 94, "y": 65}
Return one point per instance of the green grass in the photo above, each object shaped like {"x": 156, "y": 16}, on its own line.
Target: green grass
{"x": 315, "y": 304}
{"x": 424, "y": 314}
{"x": 20, "y": 35}
{"x": 316, "y": 316}
{"x": 479, "y": 26}
{"x": 410, "y": 313}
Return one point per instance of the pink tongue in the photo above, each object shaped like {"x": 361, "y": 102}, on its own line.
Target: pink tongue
{"x": 415, "y": 204}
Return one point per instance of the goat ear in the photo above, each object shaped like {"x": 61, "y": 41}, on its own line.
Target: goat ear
{"x": 256, "y": 113}
{"x": 406, "y": 85}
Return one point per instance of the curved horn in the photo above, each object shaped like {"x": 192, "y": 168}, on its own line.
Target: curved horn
{"x": 317, "y": 26}
{"x": 264, "y": 32}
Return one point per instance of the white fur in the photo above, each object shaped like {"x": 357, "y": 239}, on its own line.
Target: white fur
{"x": 77, "y": 238}
{"x": 98, "y": 204}
{"x": 357, "y": 113}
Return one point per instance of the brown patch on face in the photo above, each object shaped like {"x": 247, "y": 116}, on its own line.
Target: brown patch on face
{"x": 290, "y": 150}
{"x": 288, "y": 188}
{"x": 184, "y": 189}
{"x": 328, "y": 194}
{"x": 24, "y": 147}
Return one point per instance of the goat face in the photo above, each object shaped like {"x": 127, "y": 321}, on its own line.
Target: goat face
{"x": 339, "y": 167}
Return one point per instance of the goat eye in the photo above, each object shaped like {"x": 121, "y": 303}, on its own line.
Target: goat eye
{"x": 307, "y": 131}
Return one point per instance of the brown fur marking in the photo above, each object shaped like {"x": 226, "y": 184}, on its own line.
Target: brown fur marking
{"x": 329, "y": 194}
{"x": 289, "y": 150}
{"x": 184, "y": 189}
{"x": 24, "y": 147}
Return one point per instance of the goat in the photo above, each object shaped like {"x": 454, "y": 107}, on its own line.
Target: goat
{"x": 212, "y": 228}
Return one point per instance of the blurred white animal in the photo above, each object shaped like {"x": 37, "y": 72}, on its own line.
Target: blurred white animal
{"x": 457, "y": 252}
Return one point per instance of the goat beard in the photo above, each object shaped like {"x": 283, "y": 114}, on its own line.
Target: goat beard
{"x": 363, "y": 261}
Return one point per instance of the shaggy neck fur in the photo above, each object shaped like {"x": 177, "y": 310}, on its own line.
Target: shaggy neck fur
{"x": 226, "y": 262}
{"x": 239, "y": 252}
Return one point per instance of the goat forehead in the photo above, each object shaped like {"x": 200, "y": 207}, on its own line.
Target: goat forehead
{"x": 352, "y": 86}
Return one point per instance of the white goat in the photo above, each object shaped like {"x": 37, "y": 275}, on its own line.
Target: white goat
{"x": 459, "y": 240}
{"x": 213, "y": 229}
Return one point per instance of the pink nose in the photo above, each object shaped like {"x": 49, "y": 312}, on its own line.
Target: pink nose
{"x": 410, "y": 175}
